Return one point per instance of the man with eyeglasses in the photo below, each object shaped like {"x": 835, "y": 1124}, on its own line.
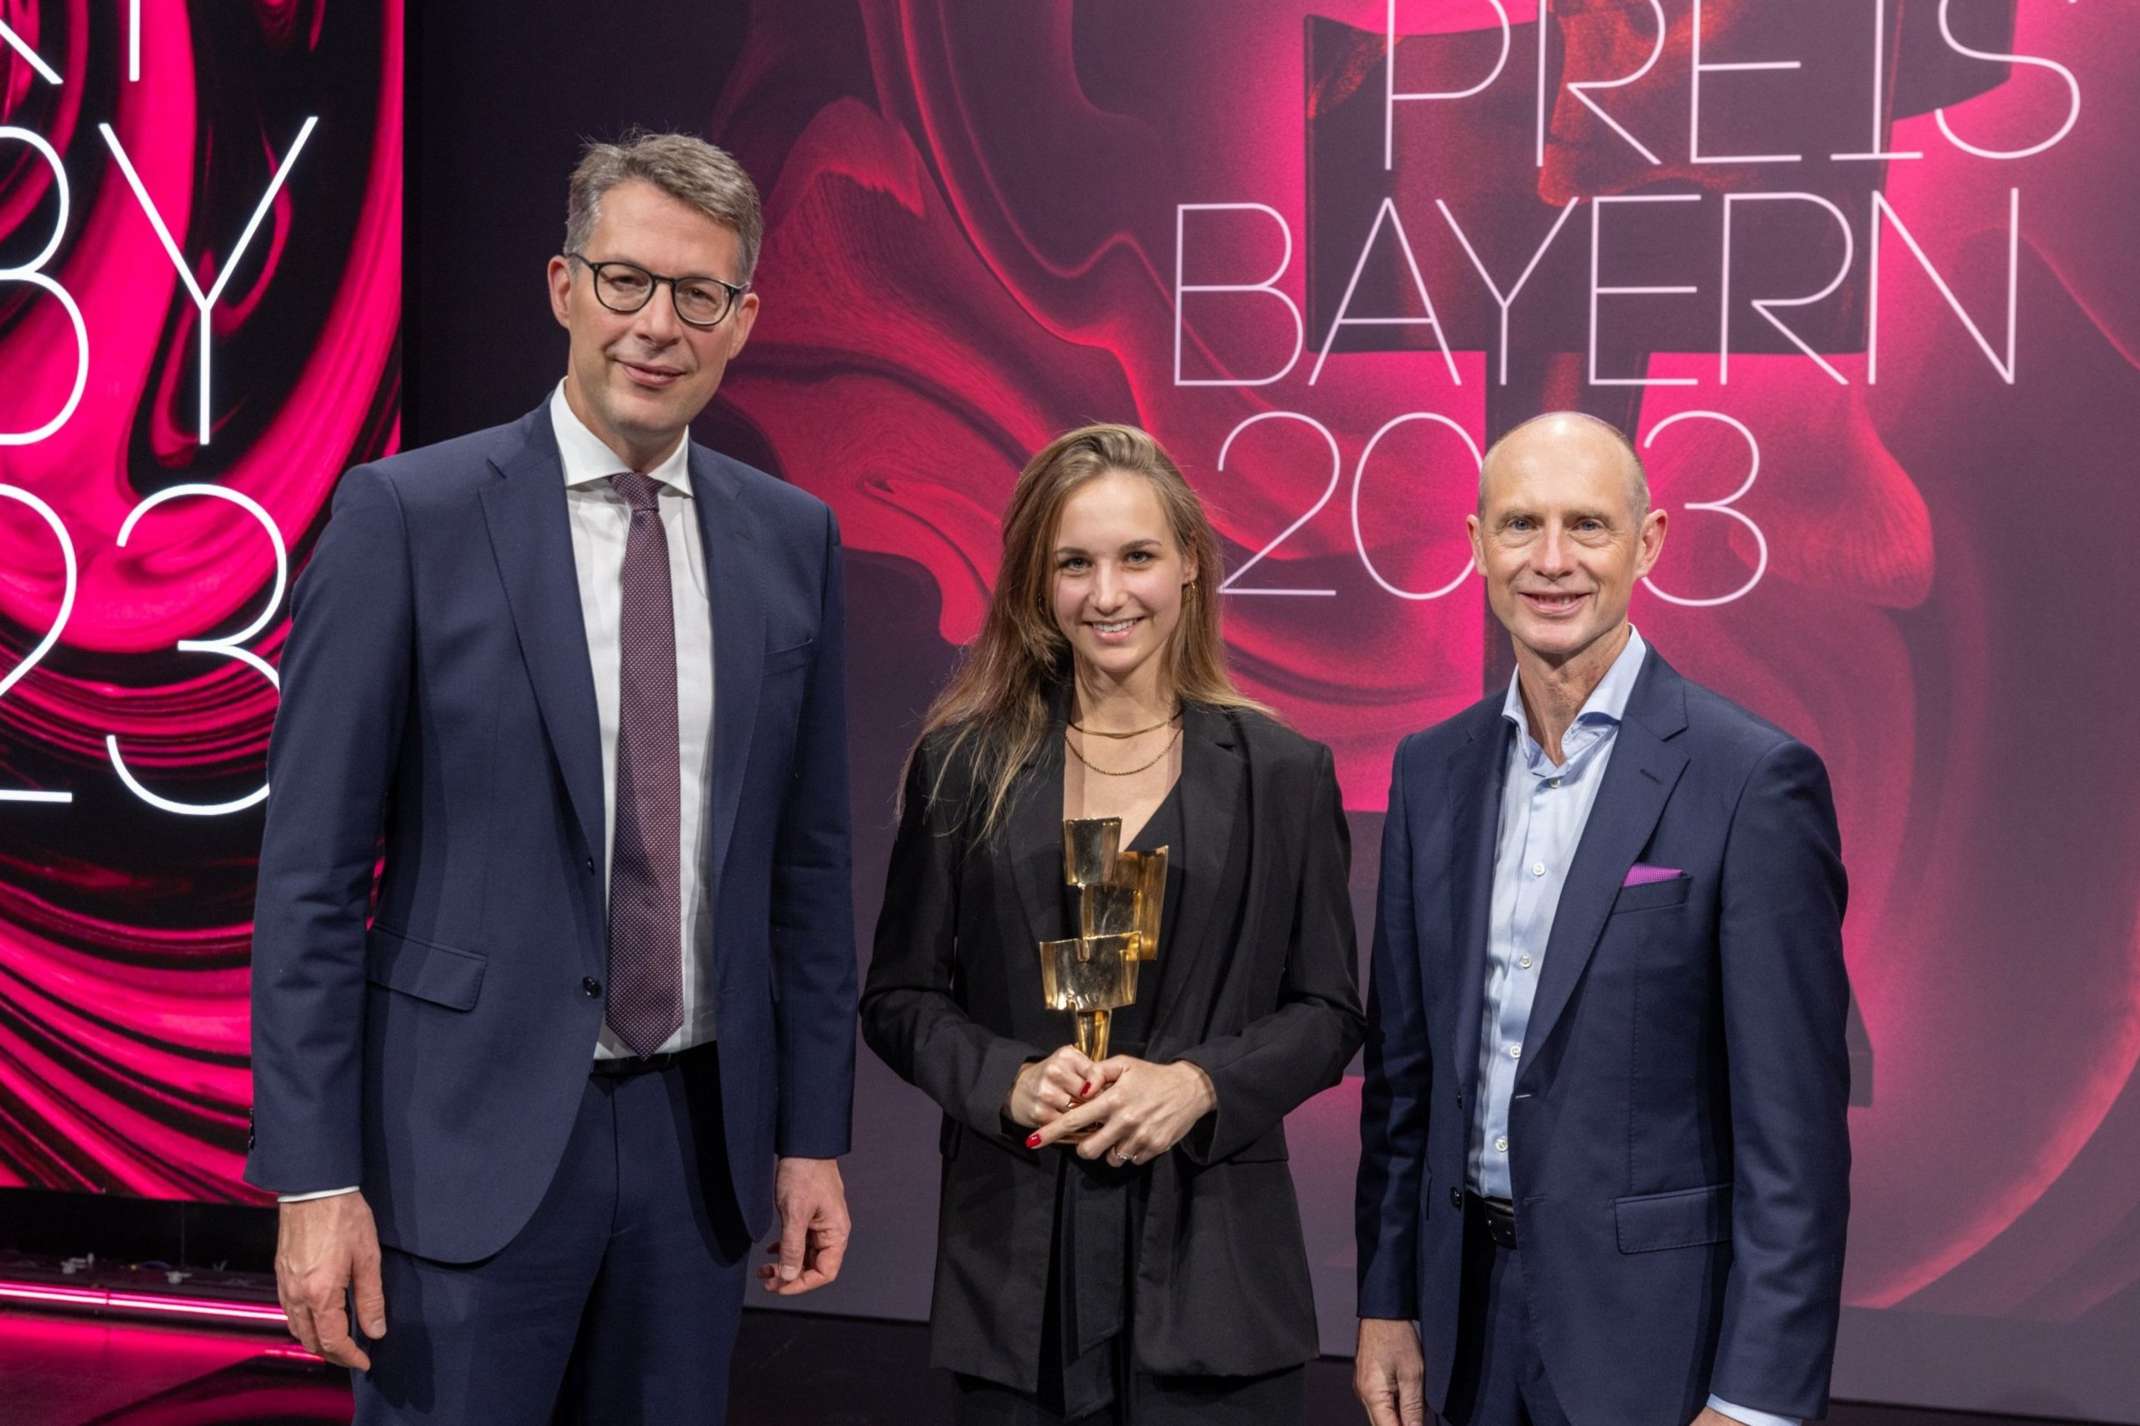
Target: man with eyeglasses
{"x": 528, "y": 1100}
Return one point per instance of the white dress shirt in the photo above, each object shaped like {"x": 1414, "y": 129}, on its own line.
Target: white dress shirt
{"x": 601, "y": 523}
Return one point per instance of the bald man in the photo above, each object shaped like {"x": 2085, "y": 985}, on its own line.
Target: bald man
{"x": 1605, "y": 1168}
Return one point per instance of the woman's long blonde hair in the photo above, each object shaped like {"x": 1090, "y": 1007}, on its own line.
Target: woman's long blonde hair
{"x": 997, "y": 704}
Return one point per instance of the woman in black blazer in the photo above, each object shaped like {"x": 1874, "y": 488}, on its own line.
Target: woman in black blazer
{"x": 1152, "y": 1271}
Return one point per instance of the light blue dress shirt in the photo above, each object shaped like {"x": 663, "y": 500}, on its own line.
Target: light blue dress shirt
{"x": 1544, "y": 807}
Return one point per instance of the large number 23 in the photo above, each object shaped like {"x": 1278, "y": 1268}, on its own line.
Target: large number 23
{"x": 231, "y": 646}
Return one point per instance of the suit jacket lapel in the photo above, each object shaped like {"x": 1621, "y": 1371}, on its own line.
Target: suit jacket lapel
{"x": 531, "y": 540}
{"x": 1213, "y": 774}
{"x": 1476, "y": 774}
{"x": 729, "y": 537}
{"x": 1644, "y": 768}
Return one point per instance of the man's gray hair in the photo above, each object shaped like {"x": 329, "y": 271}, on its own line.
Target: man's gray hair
{"x": 1639, "y": 476}
{"x": 685, "y": 167}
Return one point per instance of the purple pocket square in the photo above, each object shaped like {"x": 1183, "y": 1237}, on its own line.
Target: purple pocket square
{"x": 1642, "y": 874}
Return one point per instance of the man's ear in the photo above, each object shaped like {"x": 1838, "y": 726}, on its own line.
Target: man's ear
{"x": 1650, "y": 541}
{"x": 740, "y": 323}
{"x": 559, "y": 276}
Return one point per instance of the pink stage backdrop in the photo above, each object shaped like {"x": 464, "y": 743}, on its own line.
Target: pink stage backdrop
{"x": 200, "y": 307}
{"x": 1848, "y": 271}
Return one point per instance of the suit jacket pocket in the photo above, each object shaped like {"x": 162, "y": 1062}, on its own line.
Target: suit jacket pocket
{"x": 1651, "y": 895}
{"x": 425, "y": 969}
{"x": 1683, "y": 1218}
{"x": 794, "y": 656}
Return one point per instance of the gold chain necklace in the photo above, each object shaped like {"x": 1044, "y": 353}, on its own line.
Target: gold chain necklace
{"x": 1125, "y": 772}
{"x": 1133, "y": 733}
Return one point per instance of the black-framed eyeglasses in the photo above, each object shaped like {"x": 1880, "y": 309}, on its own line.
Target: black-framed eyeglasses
{"x": 625, "y": 287}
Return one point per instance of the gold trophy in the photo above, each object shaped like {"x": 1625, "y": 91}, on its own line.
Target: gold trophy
{"x": 1120, "y": 897}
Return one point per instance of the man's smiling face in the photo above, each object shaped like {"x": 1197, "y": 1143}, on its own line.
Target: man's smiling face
{"x": 1561, "y": 536}
{"x": 638, "y": 378}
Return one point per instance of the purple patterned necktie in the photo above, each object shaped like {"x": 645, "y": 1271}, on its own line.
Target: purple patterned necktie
{"x": 646, "y": 993}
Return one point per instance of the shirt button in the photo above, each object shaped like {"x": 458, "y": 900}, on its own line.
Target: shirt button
{"x": 1538, "y": 868}
{"x": 1515, "y": 1052}
{"x": 591, "y": 987}
{"x": 1524, "y": 961}
{"x": 1501, "y": 1144}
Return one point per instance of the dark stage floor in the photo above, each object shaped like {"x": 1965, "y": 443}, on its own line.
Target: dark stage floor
{"x": 790, "y": 1369}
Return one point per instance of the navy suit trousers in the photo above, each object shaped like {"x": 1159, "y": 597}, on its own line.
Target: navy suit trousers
{"x": 617, "y": 1303}
{"x": 1499, "y": 1378}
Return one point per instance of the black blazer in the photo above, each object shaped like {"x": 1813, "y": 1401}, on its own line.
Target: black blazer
{"x": 1260, "y": 988}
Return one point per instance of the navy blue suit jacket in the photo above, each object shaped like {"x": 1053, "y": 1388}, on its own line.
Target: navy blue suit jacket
{"x": 436, "y": 691}
{"x": 1679, "y": 1148}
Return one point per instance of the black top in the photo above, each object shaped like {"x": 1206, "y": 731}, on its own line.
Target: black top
{"x": 1131, "y": 1025}
{"x": 1087, "y": 1354}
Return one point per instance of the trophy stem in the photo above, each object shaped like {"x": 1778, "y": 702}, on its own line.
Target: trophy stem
{"x": 1092, "y": 1026}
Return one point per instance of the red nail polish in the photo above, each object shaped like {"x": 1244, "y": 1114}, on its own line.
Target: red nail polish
{"x": 1084, "y": 1089}
{"x": 1032, "y": 1141}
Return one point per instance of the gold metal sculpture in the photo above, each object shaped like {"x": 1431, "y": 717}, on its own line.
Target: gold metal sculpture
{"x": 1120, "y": 898}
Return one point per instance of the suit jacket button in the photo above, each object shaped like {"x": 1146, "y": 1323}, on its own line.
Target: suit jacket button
{"x": 1456, "y": 1198}
{"x": 591, "y": 986}
{"x": 590, "y": 866}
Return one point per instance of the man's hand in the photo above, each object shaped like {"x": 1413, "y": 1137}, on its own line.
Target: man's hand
{"x": 1389, "y": 1374}
{"x": 1047, "y": 1089}
{"x": 324, "y": 1247}
{"x": 1143, "y": 1110}
{"x": 1710, "y": 1416}
{"x": 813, "y": 1227}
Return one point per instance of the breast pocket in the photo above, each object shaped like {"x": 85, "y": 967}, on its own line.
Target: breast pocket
{"x": 1653, "y": 895}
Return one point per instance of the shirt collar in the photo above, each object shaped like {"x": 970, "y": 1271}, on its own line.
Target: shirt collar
{"x": 1607, "y": 702}
{"x": 587, "y": 460}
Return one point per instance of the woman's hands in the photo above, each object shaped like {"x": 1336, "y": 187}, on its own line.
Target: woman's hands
{"x": 1046, "y": 1089}
{"x": 1141, "y": 1110}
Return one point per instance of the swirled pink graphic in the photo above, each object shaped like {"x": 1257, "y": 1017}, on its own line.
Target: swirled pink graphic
{"x": 990, "y": 223}
{"x": 148, "y": 527}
